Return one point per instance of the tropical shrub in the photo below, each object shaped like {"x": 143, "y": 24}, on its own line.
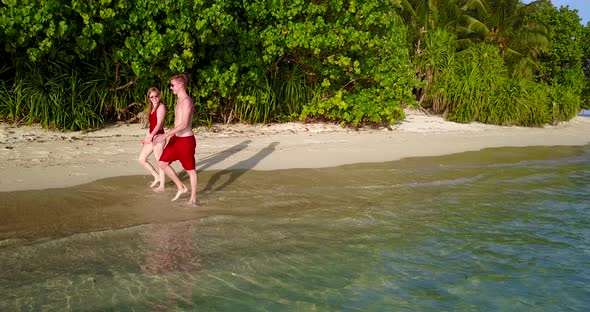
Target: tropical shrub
{"x": 438, "y": 54}
{"x": 261, "y": 61}
{"x": 477, "y": 87}
{"x": 370, "y": 76}
{"x": 519, "y": 103}
{"x": 250, "y": 61}
{"x": 563, "y": 104}
{"x": 371, "y": 107}
{"x": 562, "y": 65}
{"x": 54, "y": 97}
{"x": 464, "y": 88}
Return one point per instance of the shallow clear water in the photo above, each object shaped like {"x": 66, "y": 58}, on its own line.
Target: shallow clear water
{"x": 502, "y": 229}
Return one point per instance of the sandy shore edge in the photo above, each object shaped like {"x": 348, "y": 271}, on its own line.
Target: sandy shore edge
{"x": 35, "y": 158}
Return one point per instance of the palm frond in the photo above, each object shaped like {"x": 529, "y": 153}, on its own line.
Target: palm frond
{"x": 480, "y": 7}
{"x": 475, "y": 26}
{"x": 404, "y": 5}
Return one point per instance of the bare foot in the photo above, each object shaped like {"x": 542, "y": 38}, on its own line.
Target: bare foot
{"x": 192, "y": 202}
{"x": 180, "y": 191}
{"x": 159, "y": 189}
{"x": 154, "y": 183}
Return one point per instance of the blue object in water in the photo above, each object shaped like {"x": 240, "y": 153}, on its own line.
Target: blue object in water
{"x": 584, "y": 113}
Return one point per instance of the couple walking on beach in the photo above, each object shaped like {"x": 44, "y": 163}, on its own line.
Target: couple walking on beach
{"x": 181, "y": 145}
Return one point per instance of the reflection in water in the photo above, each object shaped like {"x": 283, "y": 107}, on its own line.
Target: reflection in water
{"x": 502, "y": 230}
{"x": 170, "y": 249}
{"x": 169, "y": 254}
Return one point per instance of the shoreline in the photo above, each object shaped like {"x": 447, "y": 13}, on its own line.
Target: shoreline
{"x": 35, "y": 158}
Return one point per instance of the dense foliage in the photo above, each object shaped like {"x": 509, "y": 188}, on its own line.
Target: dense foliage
{"x": 503, "y": 63}
{"x": 77, "y": 64}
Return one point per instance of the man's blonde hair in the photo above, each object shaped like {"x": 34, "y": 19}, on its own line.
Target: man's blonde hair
{"x": 181, "y": 77}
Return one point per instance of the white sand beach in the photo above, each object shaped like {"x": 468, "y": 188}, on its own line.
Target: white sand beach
{"x": 35, "y": 158}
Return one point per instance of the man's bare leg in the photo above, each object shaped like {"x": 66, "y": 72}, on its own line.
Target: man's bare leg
{"x": 192, "y": 174}
{"x": 181, "y": 188}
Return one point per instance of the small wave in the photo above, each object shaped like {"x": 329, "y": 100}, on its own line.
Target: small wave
{"x": 452, "y": 182}
{"x": 534, "y": 178}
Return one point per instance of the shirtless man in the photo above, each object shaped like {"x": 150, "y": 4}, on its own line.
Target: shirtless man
{"x": 182, "y": 143}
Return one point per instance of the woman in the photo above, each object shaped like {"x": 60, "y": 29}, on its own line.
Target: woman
{"x": 154, "y": 140}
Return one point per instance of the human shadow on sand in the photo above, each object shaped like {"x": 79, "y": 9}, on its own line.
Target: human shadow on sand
{"x": 213, "y": 159}
{"x": 239, "y": 168}
{"x": 216, "y": 158}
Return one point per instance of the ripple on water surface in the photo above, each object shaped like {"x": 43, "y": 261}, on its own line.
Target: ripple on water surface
{"x": 502, "y": 229}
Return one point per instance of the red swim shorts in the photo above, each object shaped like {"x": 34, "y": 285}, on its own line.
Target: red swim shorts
{"x": 182, "y": 149}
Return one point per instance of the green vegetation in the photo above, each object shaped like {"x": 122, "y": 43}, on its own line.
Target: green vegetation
{"x": 500, "y": 62}
{"x": 79, "y": 64}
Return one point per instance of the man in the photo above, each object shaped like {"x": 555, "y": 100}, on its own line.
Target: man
{"x": 182, "y": 143}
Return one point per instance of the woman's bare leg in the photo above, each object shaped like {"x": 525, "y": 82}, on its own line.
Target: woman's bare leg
{"x": 158, "y": 149}
{"x": 146, "y": 151}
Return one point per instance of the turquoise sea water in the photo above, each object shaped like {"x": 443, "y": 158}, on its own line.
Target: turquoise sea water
{"x": 498, "y": 230}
